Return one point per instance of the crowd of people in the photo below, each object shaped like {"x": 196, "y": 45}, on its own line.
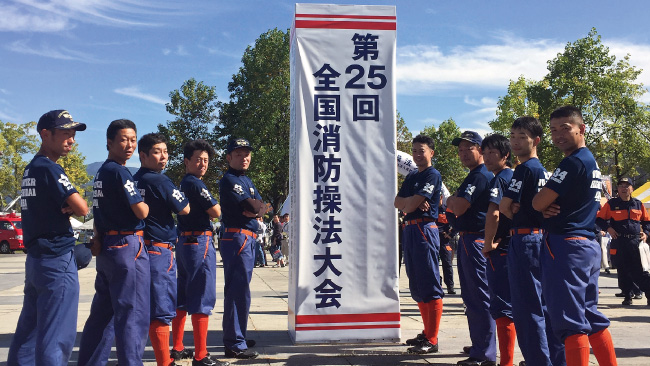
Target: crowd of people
{"x": 527, "y": 244}
{"x": 528, "y": 250}
{"x": 150, "y": 273}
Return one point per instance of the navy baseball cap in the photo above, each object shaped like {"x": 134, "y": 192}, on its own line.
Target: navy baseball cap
{"x": 60, "y": 119}
{"x": 624, "y": 180}
{"x": 236, "y": 144}
{"x": 470, "y": 136}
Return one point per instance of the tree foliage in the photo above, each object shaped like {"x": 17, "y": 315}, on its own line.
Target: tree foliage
{"x": 258, "y": 110}
{"x": 195, "y": 106}
{"x": 404, "y": 136}
{"x": 74, "y": 165}
{"x": 445, "y": 158}
{"x": 585, "y": 75}
{"x": 16, "y": 140}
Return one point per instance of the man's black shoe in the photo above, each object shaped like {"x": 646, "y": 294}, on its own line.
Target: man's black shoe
{"x": 476, "y": 362}
{"x": 423, "y": 347}
{"x": 250, "y": 343}
{"x": 414, "y": 341}
{"x": 627, "y": 301}
{"x": 466, "y": 349}
{"x": 180, "y": 355}
{"x": 244, "y": 355}
{"x": 522, "y": 363}
{"x": 451, "y": 291}
{"x": 209, "y": 361}
{"x": 637, "y": 297}
{"x": 620, "y": 294}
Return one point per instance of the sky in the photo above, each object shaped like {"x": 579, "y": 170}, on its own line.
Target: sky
{"x": 103, "y": 60}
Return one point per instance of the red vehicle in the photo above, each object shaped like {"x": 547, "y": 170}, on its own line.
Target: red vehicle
{"x": 11, "y": 233}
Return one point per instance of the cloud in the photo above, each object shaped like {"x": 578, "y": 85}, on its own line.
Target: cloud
{"x": 15, "y": 19}
{"x": 423, "y": 69}
{"x": 179, "y": 51}
{"x": 54, "y": 16}
{"x": 60, "y": 53}
{"x": 134, "y": 91}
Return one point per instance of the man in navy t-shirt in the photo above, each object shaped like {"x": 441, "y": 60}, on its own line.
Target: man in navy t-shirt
{"x": 120, "y": 308}
{"x": 470, "y": 204}
{"x": 498, "y": 160}
{"x": 163, "y": 199}
{"x": 47, "y": 325}
{"x": 196, "y": 256}
{"x": 242, "y": 205}
{"x": 419, "y": 198}
{"x": 539, "y": 346}
{"x": 571, "y": 260}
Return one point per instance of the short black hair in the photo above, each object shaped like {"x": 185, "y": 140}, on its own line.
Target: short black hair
{"x": 529, "y": 124}
{"x": 424, "y": 139}
{"x": 147, "y": 141}
{"x": 119, "y": 124}
{"x": 198, "y": 144}
{"x": 567, "y": 111}
{"x": 500, "y": 143}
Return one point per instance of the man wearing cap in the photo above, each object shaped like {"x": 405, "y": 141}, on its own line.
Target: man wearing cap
{"x": 47, "y": 326}
{"x": 242, "y": 204}
{"x": 627, "y": 221}
{"x": 470, "y": 204}
{"x": 120, "y": 308}
{"x": 196, "y": 257}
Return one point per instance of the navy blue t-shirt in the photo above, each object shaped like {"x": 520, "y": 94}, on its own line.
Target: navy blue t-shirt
{"x": 528, "y": 179}
{"x": 114, "y": 193}
{"x": 426, "y": 183}
{"x": 45, "y": 187}
{"x": 200, "y": 201}
{"x": 497, "y": 187}
{"x": 475, "y": 189}
{"x": 577, "y": 182}
{"x": 163, "y": 198}
{"x": 235, "y": 187}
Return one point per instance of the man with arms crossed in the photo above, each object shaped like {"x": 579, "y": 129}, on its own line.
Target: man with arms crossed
{"x": 570, "y": 259}
{"x": 120, "y": 308}
{"x": 163, "y": 198}
{"x": 196, "y": 256}
{"x": 47, "y": 325}
{"x": 242, "y": 206}
{"x": 469, "y": 204}
{"x": 419, "y": 198}
{"x": 538, "y": 344}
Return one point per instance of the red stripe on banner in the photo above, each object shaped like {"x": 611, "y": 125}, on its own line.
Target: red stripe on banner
{"x": 341, "y": 327}
{"x": 378, "y": 17}
{"x": 345, "y": 25}
{"x": 348, "y": 318}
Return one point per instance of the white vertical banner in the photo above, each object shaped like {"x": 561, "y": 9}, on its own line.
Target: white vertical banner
{"x": 343, "y": 280}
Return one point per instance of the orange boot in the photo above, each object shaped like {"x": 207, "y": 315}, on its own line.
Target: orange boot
{"x": 178, "y": 328}
{"x": 200, "y": 331}
{"x": 434, "y": 308}
{"x": 603, "y": 347}
{"x": 576, "y": 349}
{"x": 159, "y": 335}
{"x": 507, "y": 336}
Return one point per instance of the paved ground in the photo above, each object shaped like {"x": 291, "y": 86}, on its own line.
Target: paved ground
{"x": 268, "y": 324}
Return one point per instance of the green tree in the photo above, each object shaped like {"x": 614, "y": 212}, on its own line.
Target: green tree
{"x": 404, "y": 136}
{"x": 16, "y": 141}
{"x": 74, "y": 165}
{"x": 585, "y": 75}
{"x": 445, "y": 158}
{"x": 258, "y": 110}
{"x": 195, "y": 106}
